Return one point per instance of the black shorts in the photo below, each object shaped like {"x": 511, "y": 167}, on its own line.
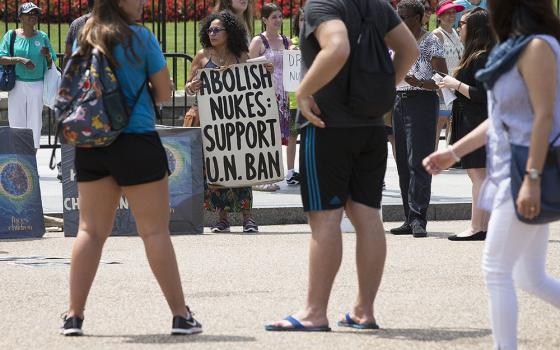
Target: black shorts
{"x": 132, "y": 159}
{"x": 340, "y": 163}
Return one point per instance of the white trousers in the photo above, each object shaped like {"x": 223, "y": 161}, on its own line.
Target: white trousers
{"x": 25, "y": 107}
{"x": 514, "y": 253}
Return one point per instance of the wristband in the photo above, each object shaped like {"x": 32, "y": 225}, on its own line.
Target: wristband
{"x": 459, "y": 86}
{"x": 453, "y": 154}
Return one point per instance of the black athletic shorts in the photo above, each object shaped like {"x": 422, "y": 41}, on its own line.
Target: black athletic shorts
{"x": 340, "y": 163}
{"x": 132, "y": 159}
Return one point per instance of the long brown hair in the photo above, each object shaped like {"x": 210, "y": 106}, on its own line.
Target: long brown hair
{"x": 479, "y": 37}
{"x": 225, "y": 5}
{"x": 107, "y": 27}
{"x": 523, "y": 17}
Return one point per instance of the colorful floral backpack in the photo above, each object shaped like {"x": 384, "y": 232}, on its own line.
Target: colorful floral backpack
{"x": 90, "y": 108}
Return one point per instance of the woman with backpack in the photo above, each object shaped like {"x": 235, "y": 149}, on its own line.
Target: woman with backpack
{"x": 521, "y": 77}
{"x": 135, "y": 164}
{"x": 32, "y": 56}
{"x": 271, "y": 44}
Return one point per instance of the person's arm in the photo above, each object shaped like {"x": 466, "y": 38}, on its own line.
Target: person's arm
{"x": 332, "y": 36}
{"x": 476, "y": 93}
{"x": 537, "y": 66}
{"x": 443, "y": 159}
{"x": 402, "y": 42}
{"x": 255, "y": 48}
{"x": 160, "y": 85}
{"x": 193, "y": 84}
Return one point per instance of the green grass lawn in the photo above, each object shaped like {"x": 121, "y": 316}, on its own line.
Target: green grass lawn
{"x": 181, "y": 37}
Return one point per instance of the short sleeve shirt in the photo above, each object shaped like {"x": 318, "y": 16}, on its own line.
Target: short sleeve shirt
{"x": 28, "y": 48}
{"x": 429, "y": 47}
{"x": 75, "y": 28}
{"x": 134, "y": 71}
{"x": 332, "y": 98}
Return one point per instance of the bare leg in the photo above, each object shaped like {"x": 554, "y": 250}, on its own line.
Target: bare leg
{"x": 98, "y": 201}
{"x": 479, "y": 219}
{"x": 150, "y": 205}
{"x": 291, "y": 151}
{"x": 391, "y": 139}
{"x": 442, "y": 121}
{"x": 325, "y": 255}
{"x": 371, "y": 250}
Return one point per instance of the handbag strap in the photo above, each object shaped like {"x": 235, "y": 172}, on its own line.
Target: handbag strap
{"x": 12, "y": 42}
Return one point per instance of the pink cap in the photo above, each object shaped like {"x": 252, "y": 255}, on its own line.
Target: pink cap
{"x": 448, "y": 5}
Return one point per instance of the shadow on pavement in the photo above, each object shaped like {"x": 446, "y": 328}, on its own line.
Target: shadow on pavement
{"x": 426, "y": 334}
{"x": 169, "y": 339}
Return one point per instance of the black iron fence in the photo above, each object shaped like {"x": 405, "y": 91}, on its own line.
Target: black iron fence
{"x": 175, "y": 23}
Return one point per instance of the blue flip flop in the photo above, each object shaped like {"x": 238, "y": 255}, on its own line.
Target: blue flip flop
{"x": 296, "y": 327}
{"x": 353, "y": 324}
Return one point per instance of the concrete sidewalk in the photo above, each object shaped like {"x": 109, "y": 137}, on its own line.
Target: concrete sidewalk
{"x": 432, "y": 295}
{"x": 451, "y": 196}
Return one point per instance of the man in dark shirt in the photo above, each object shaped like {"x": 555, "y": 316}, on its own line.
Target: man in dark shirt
{"x": 74, "y": 30}
{"x": 342, "y": 157}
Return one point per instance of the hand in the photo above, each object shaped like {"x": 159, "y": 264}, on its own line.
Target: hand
{"x": 449, "y": 82}
{"x": 309, "y": 109}
{"x": 45, "y": 52}
{"x": 438, "y": 161}
{"x": 269, "y": 67}
{"x": 194, "y": 86}
{"x": 529, "y": 198}
{"x": 412, "y": 80}
{"x": 27, "y": 63}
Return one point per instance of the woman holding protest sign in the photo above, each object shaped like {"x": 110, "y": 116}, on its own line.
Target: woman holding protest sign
{"x": 223, "y": 38}
{"x": 271, "y": 44}
{"x": 31, "y": 52}
{"x": 135, "y": 164}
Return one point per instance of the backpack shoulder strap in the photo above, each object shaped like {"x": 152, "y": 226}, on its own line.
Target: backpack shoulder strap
{"x": 285, "y": 41}
{"x": 12, "y": 42}
{"x": 264, "y": 41}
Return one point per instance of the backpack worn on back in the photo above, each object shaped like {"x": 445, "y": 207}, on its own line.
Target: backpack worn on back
{"x": 371, "y": 85}
{"x": 90, "y": 108}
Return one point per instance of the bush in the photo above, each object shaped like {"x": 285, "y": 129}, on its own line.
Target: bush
{"x": 55, "y": 11}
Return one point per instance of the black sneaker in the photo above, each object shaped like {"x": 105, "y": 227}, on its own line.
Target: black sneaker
{"x": 72, "y": 326}
{"x": 220, "y": 226}
{"x": 294, "y": 179}
{"x": 185, "y": 326}
{"x": 404, "y": 229}
{"x": 249, "y": 225}
{"x": 418, "y": 231}
{"x": 59, "y": 171}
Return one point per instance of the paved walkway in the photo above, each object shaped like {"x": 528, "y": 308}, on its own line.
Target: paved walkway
{"x": 432, "y": 295}
{"x": 450, "y": 189}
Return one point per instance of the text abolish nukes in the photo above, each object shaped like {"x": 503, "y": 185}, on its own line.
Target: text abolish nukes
{"x": 240, "y": 127}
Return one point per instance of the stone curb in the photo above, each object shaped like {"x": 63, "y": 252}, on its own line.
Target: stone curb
{"x": 295, "y": 215}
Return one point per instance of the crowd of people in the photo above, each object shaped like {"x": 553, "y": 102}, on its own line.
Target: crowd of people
{"x": 499, "y": 58}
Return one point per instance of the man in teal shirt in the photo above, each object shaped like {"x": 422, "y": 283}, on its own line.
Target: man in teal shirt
{"x": 469, "y": 5}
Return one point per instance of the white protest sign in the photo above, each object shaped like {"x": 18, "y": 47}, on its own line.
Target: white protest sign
{"x": 291, "y": 70}
{"x": 240, "y": 127}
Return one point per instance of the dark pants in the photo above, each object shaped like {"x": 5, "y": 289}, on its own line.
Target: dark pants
{"x": 414, "y": 126}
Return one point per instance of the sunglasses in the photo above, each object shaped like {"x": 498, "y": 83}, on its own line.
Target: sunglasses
{"x": 215, "y": 30}
{"x": 31, "y": 14}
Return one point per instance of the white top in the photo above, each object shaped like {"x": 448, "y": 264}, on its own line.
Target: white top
{"x": 509, "y": 103}
{"x": 452, "y": 47}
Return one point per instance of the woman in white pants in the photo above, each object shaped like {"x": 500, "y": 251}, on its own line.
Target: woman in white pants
{"x": 521, "y": 76}
{"x": 33, "y": 55}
